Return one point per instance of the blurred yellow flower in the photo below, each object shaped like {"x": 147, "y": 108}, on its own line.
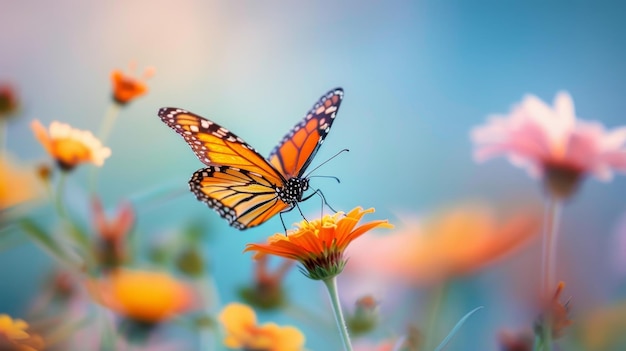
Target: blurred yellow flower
{"x": 69, "y": 146}
{"x": 319, "y": 245}
{"x": 143, "y": 296}
{"x": 127, "y": 88}
{"x": 242, "y": 332}
{"x": 14, "y": 336}
{"x": 455, "y": 242}
{"x": 604, "y": 329}
{"x": 17, "y": 184}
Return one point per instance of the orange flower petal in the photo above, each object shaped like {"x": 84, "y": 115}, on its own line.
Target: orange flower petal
{"x": 319, "y": 244}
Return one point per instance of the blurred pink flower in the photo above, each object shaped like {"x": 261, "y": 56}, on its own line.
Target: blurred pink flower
{"x": 551, "y": 141}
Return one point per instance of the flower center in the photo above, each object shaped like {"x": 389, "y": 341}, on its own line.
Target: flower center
{"x": 562, "y": 179}
{"x": 70, "y": 152}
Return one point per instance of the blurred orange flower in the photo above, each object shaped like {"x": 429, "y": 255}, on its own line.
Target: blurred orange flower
{"x": 9, "y": 103}
{"x": 242, "y": 331}
{"x": 319, "y": 245}
{"x": 127, "y": 88}
{"x": 455, "y": 242}
{"x": 112, "y": 233}
{"x": 70, "y": 146}
{"x": 555, "y": 312}
{"x": 18, "y": 184}
{"x": 266, "y": 291}
{"x": 14, "y": 336}
{"x": 143, "y": 296}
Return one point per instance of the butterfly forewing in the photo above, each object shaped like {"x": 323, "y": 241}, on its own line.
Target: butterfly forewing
{"x": 294, "y": 153}
{"x": 245, "y": 199}
{"x": 216, "y": 145}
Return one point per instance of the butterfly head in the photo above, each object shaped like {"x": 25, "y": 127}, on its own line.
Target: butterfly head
{"x": 291, "y": 193}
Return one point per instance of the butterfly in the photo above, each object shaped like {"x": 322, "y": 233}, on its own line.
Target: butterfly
{"x": 238, "y": 183}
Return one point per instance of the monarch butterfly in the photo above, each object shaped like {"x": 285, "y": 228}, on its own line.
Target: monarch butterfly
{"x": 238, "y": 183}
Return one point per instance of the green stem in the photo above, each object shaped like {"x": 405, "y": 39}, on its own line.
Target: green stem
{"x": 108, "y": 121}
{"x": 438, "y": 295}
{"x": 76, "y": 234}
{"x": 548, "y": 282}
{"x": 106, "y": 127}
{"x": 209, "y": 336}
{"x": 331, "y": 285}
{"x": 59, "y": 195}
{"x": 3, "y": 135}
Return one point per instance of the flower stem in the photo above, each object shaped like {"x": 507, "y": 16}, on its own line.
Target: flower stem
{"x": 75, "y": 233}
{"x": 550, "y": 234}
{"x": 59, "y": 195}
{"x": 3, "y": 136}
{"x": 331, "y": 285}
{"x": 438, "y": 295}
{"x": 108, "y": 121}
{"x": 105, "y": 130}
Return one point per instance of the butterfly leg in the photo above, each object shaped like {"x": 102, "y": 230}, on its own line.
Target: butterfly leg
{"x": 324, "y": 202}
{"x": 283, "y": 222}
{"x": 301, "y": 214}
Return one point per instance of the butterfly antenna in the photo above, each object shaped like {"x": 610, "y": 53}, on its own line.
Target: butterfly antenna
{"x": 323, "y": 163}
{"x": 326, "y": 176}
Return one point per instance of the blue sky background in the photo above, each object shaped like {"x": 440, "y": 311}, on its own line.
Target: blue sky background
{"x": 417, "y": 77}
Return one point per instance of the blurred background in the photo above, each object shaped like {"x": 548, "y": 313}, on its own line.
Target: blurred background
{"x": 417, "y": 76}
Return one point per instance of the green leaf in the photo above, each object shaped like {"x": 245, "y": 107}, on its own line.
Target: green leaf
{"x": 456, "y": 328}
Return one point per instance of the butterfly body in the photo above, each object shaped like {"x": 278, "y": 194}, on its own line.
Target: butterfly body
{"x": 238, "y": 183}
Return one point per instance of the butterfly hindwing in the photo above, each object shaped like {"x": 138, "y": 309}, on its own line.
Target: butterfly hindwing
{"x": 296, "y": 150}
{"x": 245, "y": 199}
{"x": 216, "y": 145}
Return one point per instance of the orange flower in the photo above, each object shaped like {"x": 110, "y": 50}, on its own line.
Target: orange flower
{"x": 454, "y": 243}
{"x": 14, "y": 336}
{"x": 70, "y": 146}
{"x": 17, "y": 185}
{"x": 319, "y": 245}
{"x": 555, "y": 312}
{"x": 127, "y": 88}
{"x": 266, "y": 291}
{"x": 242, "y": 332}
{"x": 143, "y": 296}
{"x": 112, "y": 233}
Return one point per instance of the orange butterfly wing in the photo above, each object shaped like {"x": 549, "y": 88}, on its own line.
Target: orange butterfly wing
{"x": 239, "y": 183}
{"x": 245, "y": 199}
{"x": 296, "y": 150}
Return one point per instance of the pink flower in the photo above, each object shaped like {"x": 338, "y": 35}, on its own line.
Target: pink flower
{"x": 551, "y": 142}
